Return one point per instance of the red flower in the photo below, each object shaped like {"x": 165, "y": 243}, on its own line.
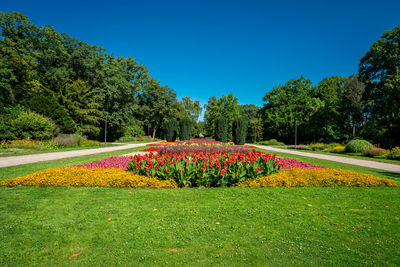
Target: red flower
{"x": 223, "y": 171}
{"x": 204, "y": 166}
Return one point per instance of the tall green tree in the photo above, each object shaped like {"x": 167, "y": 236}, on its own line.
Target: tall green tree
{"x": 157, "y": 103}
{"x": 330, "y": 121}
{"x": 227, "y": 106}
{"x": 286, "y": 104}
{"x": 379, "y": 69}
{"x": 353, "y": 102}
{"x": 253, "y": 117}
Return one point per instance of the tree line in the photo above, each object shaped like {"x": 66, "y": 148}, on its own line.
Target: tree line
{"x": 80, "y": 87}
{"x": 337, "y": 109}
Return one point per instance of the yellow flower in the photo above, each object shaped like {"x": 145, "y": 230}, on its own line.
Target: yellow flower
{"x": 68, "y": 176}
{"x": 318, "y": 177}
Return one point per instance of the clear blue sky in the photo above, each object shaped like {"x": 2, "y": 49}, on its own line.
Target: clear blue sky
{"x": 206, "y": 48}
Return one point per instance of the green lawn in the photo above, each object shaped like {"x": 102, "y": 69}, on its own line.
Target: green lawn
{"x": 262, "y": 227}
{"x": 24, "y": 151}
{"x": 338, "y": 165}
{"x": 257, "y": 226}
{"x": 351, "y": 155}
{"x": 14, "y": 171}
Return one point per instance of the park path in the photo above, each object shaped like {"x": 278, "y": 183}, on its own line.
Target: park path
{"x": 26, "y": 159}
{"x": 360, "y": 162}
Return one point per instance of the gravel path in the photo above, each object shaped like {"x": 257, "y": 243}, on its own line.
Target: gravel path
{"x": 360, "y": 162}
{"x": 26, "y": 159}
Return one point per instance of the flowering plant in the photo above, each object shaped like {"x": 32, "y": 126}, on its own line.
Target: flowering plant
{"x": 205, "y": 169}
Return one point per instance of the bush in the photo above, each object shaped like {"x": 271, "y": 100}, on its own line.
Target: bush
{"x": 7, "y": 129}
{"x": 33, "y": 126}
{"x": 134, "y": 129}
{"x": 394, "y": 154}
{"x": 318, "y": 147}
{"x": 90, "y": 143}
{"x": 271, "y": 142}
{"x": 186, "y": 129}
{"x": 374, "y": 152}
{"x": 66, "y": 140}
{"x": 221, "y": 130}
{"x": 239, "y": 131}
{"x": 358, "y": 146}
{"x": 171, "y": 130}
{"x": 338, "y": 149}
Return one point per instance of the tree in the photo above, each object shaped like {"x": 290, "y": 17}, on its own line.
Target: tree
{"x": 329, "y": 122}
{"x": 379, "y": 69}
{"x": 286, "y": 104}
{"x": 256, "y": 129}
{"x": 239, "y": 131}
{"x": 221, "y": 129}
{"x": 157, "y": 103}
{"x": 185, "y": 129}
{"x": 226, "y": 106}
{"x": 253, "y": 116}
{"x": 354, "y": 95}
{"x": 171, "y": 130}
{"x": 192, "y": 108}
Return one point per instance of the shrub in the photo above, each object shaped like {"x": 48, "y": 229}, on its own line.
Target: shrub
{"x": 34, "y": 126}
{"x": 90, "y": 143}
{"x": 394, "y": 153}
{"x": 126, "y": 139}
{"x": 134, "y": 131}
{"x": 66, "y": 140}
{"x": 318, "y": 147}
{"x": 186, "y": 129}
{"x": 358, "y": 146}
{"x": 271, "y": 142}
{"x": 221, "y": 130}
{"x": 318, "y": 177}
{"x": 338, "y": 149}
{"x": 239, "y": 131}
{"x": 7, "y": 129}
{"x": 83, "y": 177}
{"x": 374, "y": 152}
{"x": 171, "y": 130}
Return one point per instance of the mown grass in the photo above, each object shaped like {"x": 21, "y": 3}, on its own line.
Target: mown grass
{"x": 348, "y": 155}
{"x": 257, "y": 226}
{"x": 339, "y": 165}
{"x": 27, "y": 151}
{"x": 15, "y": 171}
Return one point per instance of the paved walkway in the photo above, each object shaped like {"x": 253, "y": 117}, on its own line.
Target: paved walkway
{"x": 360, "y": 162}
{"x": 25, "y": 159}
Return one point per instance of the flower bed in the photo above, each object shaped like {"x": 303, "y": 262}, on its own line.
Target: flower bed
{"x": 318, "y": 177}
{"x": 112, "y": 162}
{"x": 199, "y": 148}
{"x": 205, "y": 169}
{"x": 84, "y": 177}
{"x": 293, "y": 163}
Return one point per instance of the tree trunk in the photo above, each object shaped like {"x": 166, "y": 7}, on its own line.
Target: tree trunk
{"x": 154, "y": 132}
{"x": 354, "y": 129}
